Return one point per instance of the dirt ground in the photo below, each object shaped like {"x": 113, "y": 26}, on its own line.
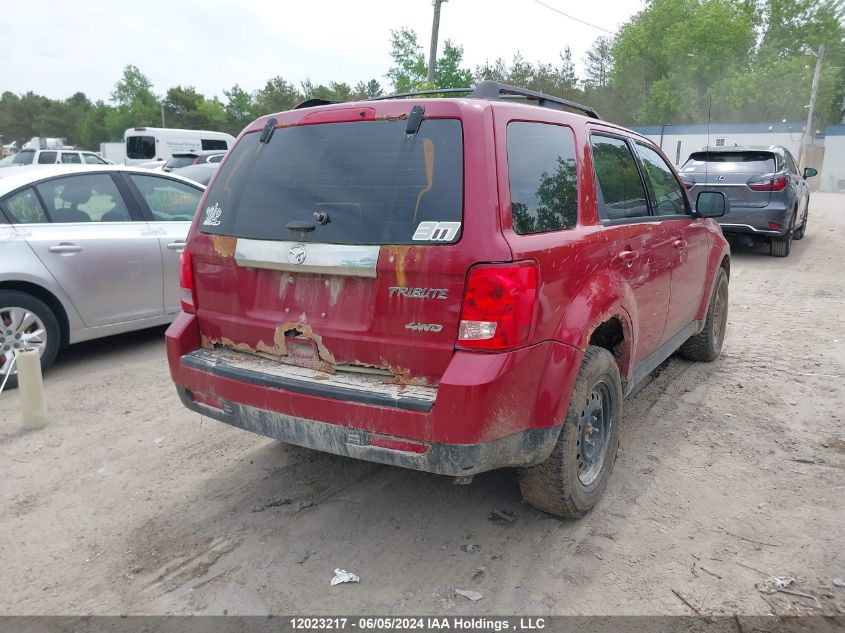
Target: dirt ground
{"x": 728, "y": 472}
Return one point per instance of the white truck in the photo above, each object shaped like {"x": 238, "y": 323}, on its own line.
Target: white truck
{"x": 148, "y": 144}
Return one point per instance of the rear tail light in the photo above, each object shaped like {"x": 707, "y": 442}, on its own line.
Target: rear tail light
{"x": 499, "y": 306}
{"x": 771, "y": 182}
{"x": 775, "y": 226}
{"x": 186, "y": 282}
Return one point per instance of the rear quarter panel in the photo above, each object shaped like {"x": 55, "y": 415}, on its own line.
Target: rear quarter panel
{"x": 578, "y": 291}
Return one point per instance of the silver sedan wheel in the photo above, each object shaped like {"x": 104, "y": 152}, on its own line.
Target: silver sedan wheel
{"x": 20, "y": 329}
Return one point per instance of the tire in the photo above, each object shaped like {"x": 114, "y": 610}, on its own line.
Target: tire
{"x": 798, "y": 234}
{"x": 707, "y": 344}
{"x": 569, "y": 483}
{"x": 40, "y": 330}
{"x": 782, "y": 246}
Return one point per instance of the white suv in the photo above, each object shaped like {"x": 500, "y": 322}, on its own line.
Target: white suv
{"x": 55, "y": 156}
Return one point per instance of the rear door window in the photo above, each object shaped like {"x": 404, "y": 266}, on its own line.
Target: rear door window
{"x": 84, "y": 198}
{"x": 543, "y": 177}
{"x": 619, "y": 188}
{"x": 70, "y": 157}
{"x": 24, "y": 207}
{"x": 370, "y": 182}
{"x": 666, "y": 192}
{"x": 140, "y": 147}
{"x": 47, "y": 158}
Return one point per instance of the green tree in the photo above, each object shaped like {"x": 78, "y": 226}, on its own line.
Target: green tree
{"x": 598, "y": 63}
{"x": 448, "y": 72}
{"x": 136, "y": 104}
{"x": 367, "y": 90}
{"x": 239, "y": 108}
{"x": 410, "y": 70}
{"x": 277, "y": 95}
{"x": 668, "y": 56}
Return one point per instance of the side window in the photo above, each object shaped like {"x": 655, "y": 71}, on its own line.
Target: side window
{"x": 23, "y": 207}
{"x": 84, "y": 198}
{"x": 208, "y": 143}
{"x": 93, "y": 159}
{"x": 666, "y": 192}
{"x": 46, "y": 158}
{"x": 215, "y": 159}
{"x": 619, "y": 189}
{"x": 543, "y": 177}
{"x": 70, "y": 157}
{"x": 169, "y": 200}
{"x": 790, "y": 163}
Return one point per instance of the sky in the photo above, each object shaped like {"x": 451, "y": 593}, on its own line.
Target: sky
{"x": 59, "y": 47}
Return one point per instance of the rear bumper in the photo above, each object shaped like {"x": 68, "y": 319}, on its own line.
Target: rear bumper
{"x": 488, "y": 410}
{"x": 519, "y": 449}
{"x": 747, "y": 221}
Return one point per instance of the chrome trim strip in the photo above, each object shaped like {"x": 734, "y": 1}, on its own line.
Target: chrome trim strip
{"x": 328, "y": 259}
{"x": 748, "y": 226}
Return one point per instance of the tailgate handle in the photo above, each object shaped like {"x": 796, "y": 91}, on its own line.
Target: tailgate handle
{"x": 300, "y": 226}
{"x": 65, "y": 248}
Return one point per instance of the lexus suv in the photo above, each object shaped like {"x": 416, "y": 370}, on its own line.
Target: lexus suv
{"x": 769, "y": 198}
{"x": 446, "y": 284}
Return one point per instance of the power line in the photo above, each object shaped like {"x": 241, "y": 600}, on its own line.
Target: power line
{"x": 572, "y": 17}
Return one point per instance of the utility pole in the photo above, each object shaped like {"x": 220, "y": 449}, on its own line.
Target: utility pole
{"x": 161, "y": 103}
{"x": 807, "y": 139}
{"x": 435, "y": 27}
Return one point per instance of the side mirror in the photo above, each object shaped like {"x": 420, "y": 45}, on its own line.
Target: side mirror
{"x": 712, "y": 204}
{"x": 809, "y": 172}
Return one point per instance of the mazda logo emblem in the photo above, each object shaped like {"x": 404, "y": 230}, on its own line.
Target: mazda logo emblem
{"x": 297, "y": 254}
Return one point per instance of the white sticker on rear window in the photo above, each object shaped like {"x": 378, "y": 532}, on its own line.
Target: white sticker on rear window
{"x": 436, "y": 231}
{"x": 212, "y": 215}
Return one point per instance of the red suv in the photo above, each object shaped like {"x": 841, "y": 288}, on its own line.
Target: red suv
{"x": 447, "y": 284}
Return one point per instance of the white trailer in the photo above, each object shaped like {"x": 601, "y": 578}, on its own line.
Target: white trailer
{"x": 146, "y": 144}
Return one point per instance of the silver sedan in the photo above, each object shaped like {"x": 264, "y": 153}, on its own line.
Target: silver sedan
{"x": 87, "y": 252}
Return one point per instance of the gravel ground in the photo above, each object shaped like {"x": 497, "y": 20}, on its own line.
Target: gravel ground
{"x": 728, "y": 473}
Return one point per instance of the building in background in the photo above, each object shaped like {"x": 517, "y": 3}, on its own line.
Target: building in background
{"x": 832, "y": 172}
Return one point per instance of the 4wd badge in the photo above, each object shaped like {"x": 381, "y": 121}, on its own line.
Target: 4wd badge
{"x": 436, "y": 231}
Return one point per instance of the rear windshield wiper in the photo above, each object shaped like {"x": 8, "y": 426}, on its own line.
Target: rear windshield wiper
{"x": 267, "y": 132}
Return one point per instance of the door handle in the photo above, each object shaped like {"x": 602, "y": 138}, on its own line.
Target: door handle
{"x": 176, "y": 246}
{"x": 680, "y": 244}
{"x": 65, "y": 248}
{"x": 628, "y": 257}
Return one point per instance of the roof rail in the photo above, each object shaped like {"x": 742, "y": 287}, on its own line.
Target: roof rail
{"x": 495, "y": 91}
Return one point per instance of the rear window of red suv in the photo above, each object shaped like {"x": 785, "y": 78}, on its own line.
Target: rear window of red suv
{"x": 375, "y": 183}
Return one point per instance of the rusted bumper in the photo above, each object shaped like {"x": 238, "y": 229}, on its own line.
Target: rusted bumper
{"x": 488, "y": 410}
